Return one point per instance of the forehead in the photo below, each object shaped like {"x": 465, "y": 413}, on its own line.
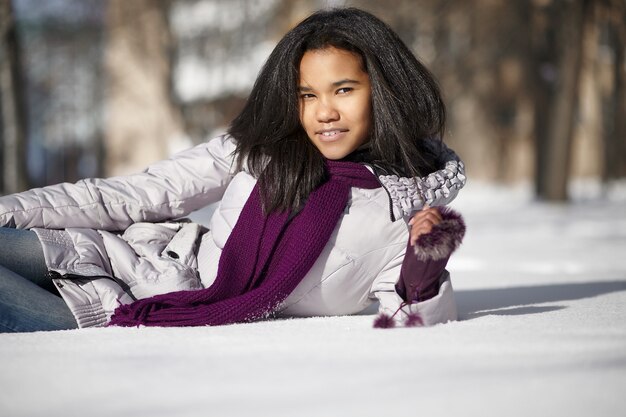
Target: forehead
{"x": 331, "y": 63}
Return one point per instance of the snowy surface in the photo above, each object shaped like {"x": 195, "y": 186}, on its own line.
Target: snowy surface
{"x": 542, "y": 296}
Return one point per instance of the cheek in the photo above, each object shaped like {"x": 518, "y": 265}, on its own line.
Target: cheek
{"x": 361, "y": 110}
{"x": 365, "y": 115}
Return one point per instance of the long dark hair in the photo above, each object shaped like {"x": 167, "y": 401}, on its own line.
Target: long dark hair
{"x": 406, "y": 107}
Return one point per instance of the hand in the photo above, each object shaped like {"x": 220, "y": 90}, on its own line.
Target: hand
{"x": 422, "y": 222}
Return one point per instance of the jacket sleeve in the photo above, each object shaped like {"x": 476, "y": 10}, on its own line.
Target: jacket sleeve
{"x": 421, "y": 285}
{"x": 438, "y": 188}
{"x": 165, "y": 190}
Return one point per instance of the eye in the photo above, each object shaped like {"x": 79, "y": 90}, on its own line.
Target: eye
{"x": 307, "y": 96}
{"x": 344, "y": 90}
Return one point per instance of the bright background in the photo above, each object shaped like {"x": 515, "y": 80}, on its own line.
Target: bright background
{"x": 536, "y": 98}
{"x": 535, "y": 89}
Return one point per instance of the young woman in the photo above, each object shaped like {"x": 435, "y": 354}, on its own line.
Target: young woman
{"x": 328, "y": 183}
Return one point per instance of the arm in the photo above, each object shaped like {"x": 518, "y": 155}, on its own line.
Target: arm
{"x": 420, "y": 285}
{"x": 435, "y": 234}
{"x": 167, "y": 189}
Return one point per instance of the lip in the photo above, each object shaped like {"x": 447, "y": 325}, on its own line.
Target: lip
{"x": 330, "y": 135}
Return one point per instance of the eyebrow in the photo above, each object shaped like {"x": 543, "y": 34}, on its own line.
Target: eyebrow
{"x": 335, "y": 84}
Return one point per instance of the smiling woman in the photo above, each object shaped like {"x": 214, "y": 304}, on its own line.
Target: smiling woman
{"x": 277, "y": 146}
{"x": 335, "y": 101}
{"x": 327, "y": 180}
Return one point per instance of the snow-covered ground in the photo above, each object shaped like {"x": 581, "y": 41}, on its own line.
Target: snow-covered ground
{"x": 542, "y": 297}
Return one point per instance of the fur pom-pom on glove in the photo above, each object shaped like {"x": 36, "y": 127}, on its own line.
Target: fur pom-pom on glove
{"x": 443, "y": 239}
{"x": 423, "y": 265}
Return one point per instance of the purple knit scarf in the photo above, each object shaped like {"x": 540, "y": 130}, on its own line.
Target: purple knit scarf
{"x": 262, "y": 262}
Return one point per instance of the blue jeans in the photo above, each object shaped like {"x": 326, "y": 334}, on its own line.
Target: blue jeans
{"x": 28, "y": 299}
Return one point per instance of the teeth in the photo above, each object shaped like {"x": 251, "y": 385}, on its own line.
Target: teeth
{"x": 334, "y": 132}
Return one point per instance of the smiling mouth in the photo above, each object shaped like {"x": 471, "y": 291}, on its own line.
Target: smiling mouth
{"x": 329, "y": 135}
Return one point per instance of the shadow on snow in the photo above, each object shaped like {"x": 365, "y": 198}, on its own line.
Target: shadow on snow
{"x": 520, "y": 300}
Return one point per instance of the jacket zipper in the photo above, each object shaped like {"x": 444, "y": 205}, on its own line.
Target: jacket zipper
{"x": 391, "y": 215}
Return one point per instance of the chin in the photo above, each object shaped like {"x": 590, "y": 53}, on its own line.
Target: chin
{"x": 333, "y": 152}
{"x": 333, "y": 156}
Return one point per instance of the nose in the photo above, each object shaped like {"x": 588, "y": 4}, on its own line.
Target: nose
{"x": 326, "y": 112}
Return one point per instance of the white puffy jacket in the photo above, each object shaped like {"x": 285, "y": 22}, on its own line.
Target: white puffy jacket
{"x": 109, "y": 241}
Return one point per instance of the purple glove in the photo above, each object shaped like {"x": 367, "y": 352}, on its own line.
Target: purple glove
{"x": 424, "y": 262}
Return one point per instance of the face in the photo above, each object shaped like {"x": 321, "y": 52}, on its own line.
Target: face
{"x": 335, "y": 101}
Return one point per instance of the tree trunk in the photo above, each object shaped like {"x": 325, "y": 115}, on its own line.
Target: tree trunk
{"x": 142, "y": 120}
{"x": 614, "y": 96}
{"x": 556, "y": 105}
{"x": 11, "y": 122}
{"x": 619, "y": 65}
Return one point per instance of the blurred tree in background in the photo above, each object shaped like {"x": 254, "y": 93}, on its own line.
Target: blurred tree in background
{"x": 12, "y": 175}
{"x": 56, "y": 104}
{"x": 535, "y": 88}
{"x": 143, "y": 120}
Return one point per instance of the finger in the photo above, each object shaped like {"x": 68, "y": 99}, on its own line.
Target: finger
{"x": 420, "y": 215}
{"x": 420, "y": 229}
{"x": 432, "y": 210}
{"x": 437, "y": 213}
{"x": 416, "y": 232}
{"x": 429, "y": 221}
{"x": 416, "y": 215}
{"x": 429, "y": 217}
{"x": 423, "y": 228}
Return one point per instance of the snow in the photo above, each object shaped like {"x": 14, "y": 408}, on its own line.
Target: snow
{"x": 195, "y": 18}
{"x": 541, "y": 290}
{"x": 221, "y": 46}
{"x": 197, "y": 78}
